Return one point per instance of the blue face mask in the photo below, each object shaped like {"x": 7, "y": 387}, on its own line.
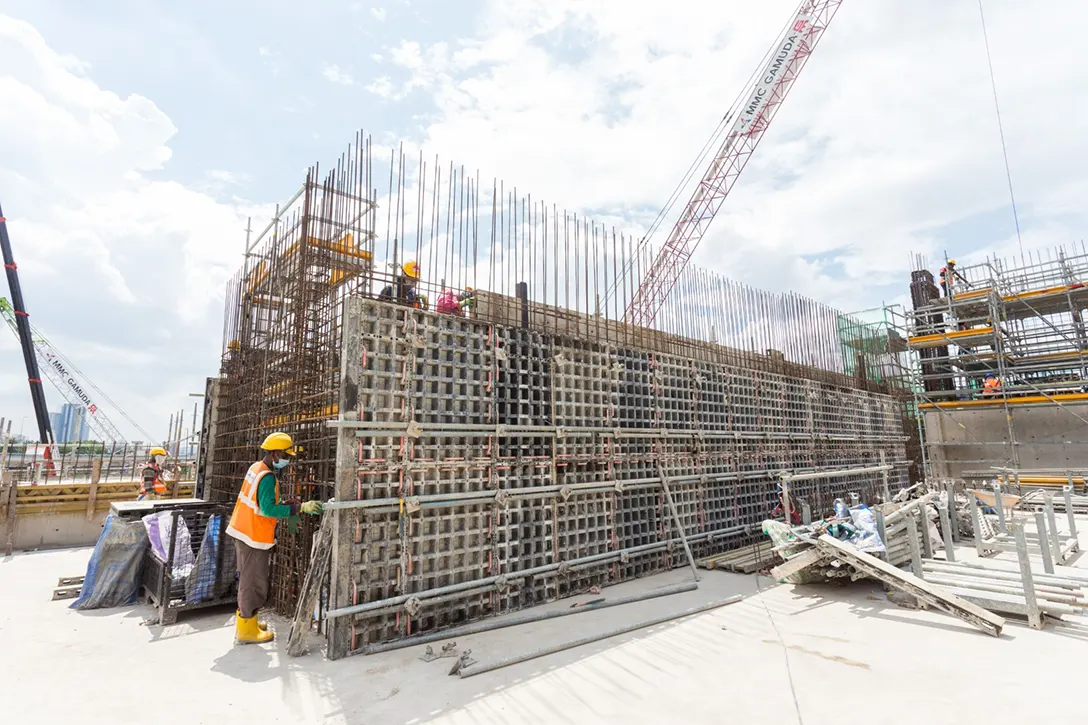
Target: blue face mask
{"x": 280, "y": 464}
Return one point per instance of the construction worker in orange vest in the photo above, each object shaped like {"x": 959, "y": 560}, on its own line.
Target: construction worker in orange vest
{"x": 153, "y": 485}
{"x": 253, "y": 526}
{"x": 949, "y": 275}
{"x": 991, "y": 386}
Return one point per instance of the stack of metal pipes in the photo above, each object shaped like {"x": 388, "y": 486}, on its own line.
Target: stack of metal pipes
{"x": 999, "y": 586}
{"x": 1036, "y": 498}
{"x": 894, "y": 521}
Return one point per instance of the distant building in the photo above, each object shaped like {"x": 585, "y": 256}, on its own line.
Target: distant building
{"x": 71, "y": 424}
{"x": 54, "y": 423}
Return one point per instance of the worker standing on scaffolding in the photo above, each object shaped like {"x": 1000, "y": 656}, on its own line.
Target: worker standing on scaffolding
{"x": 253, "y": 527}
{"x": 403, "y": 289}
{"x": 949, "y": 275}
{"x": 991, "y": 386}
{"x": 154, "y": 483}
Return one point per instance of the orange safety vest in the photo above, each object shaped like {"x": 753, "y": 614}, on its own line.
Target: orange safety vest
{"x": 991, "y": 385}
{"x": 246, "y": 523}
{"x": 158, "y": 484}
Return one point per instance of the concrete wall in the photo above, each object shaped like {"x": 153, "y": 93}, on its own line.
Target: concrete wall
{"x": 1048, "y": 437}
{"x": 57, "y": 530}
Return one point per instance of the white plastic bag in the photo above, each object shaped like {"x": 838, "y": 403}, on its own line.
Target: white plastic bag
{"x": 867, "y": 538}
{"x": 158, "y": 527}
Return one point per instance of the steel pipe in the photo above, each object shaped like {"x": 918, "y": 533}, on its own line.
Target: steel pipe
{"x": 502, "y": 623}
{"x": 480, "y": 668}
{"x": 791, "y": 477}
{"x": 486, "y": 582}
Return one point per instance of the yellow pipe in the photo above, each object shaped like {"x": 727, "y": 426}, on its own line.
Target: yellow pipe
{"x": 1063, "y": 398}
{"x": 1051, "y": 480}
{"x": 959, "y": 297}
{"x": 1038, "y": 293}
{"x": 923, "y": 340}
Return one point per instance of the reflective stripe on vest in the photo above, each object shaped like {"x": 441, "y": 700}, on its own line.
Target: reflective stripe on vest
{"x": 157, "y": 482}
{"x": 246, "y": 523}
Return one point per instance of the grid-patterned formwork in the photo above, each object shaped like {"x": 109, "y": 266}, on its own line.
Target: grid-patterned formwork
{"x": 484, "y": 468}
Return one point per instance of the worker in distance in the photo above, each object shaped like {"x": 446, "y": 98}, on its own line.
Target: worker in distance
{"x": 403, "y": 290}
{"x": 154, "y": 477}
{"x": 253, "y": 527}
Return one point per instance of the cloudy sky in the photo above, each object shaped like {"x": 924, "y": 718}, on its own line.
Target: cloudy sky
{"x": 136, "y": 138}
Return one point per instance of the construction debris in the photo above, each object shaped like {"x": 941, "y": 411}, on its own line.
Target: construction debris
{"x": 920, "y": 589}
{"x": 448, "y": 650}
{"x": 68, "y": 587}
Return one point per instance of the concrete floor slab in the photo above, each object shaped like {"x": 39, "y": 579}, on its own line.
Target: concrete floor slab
{"x": 782, "y": 655}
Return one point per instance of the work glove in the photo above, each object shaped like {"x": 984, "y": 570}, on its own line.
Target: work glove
{"x": 312, "y": 508}
{"x": 293, "y": 525}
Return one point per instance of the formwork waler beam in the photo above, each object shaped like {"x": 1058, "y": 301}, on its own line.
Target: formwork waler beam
{"x": 483, "y": 468}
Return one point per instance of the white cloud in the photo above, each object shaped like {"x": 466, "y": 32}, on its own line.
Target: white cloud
{"x": 382, "y": 86}
{"x": 336, "y": 74}
{"x": 225, "y": 177}
{"x": 378, "y": 13}
{"x": 124, "y": 272}
{"x": 271, "y": 59}
{"x": 889, "y": 135}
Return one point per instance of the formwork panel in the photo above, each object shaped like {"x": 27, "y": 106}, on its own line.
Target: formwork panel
{"x": 525, "y": 539}
{"x": 561, "y": 444}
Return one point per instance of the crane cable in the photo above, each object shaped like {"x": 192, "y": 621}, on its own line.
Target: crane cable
{"x": 712, "y": 143}
{"x": 1000, "y": 127}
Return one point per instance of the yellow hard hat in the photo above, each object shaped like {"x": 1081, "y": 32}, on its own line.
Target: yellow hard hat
{"x": 279, "y": 442}
{"x": 411, "y": 269}
{"x": 158, "y": 451}
{"x": 952, "y": 261}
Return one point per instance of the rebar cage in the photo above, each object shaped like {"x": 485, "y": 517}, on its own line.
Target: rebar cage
{"x": 533, "y": 267}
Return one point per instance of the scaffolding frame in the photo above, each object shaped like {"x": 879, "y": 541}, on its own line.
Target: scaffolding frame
{"x": 1021, "y": 321}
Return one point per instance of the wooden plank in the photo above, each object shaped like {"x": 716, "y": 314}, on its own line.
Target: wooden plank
{"x": 340, "y": 639}
{"x": 799, "y": 563}
{"x": 931, "y": 594}
{"x": 311, "y": 588}
{"x": 92, "y": 496}
{"x": 12, "y": 492}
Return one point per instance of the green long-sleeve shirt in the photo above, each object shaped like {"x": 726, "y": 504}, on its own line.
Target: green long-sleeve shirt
{"x": 266, "y": 499}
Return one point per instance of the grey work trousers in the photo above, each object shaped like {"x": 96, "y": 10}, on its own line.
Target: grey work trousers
{"x": 252, "y": 578}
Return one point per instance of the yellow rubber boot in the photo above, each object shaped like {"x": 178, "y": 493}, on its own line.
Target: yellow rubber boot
{"x": 260, "y": 625}
{"x": 246, "y": 631}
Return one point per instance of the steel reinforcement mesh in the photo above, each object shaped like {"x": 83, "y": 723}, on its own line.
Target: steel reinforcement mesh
{"x": 720, "y": 356}
{"x": 485, "y": 451}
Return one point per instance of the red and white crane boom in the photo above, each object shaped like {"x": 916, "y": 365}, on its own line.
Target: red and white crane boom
{"x": 749, "y": 123}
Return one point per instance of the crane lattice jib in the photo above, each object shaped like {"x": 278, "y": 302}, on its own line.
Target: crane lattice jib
{"x": 749, "y": 125}
{"x": 52, "y": 366}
